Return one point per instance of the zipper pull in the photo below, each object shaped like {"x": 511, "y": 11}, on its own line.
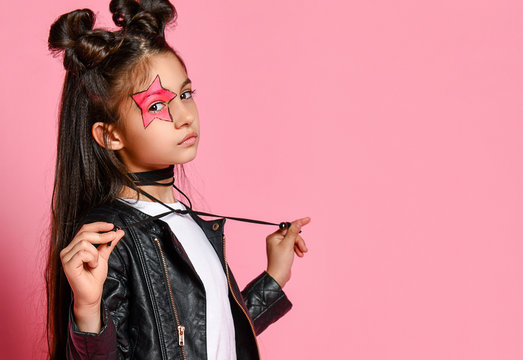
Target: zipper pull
{"x": 181, "y": 335}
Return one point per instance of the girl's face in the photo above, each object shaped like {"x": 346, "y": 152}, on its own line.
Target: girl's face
{"x": 158, "y": 117}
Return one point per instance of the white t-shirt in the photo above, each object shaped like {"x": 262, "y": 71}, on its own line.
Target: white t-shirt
{"x": 219, "y": 323}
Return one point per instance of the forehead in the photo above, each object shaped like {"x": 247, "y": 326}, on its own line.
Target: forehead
{"x": 166, "y": 66}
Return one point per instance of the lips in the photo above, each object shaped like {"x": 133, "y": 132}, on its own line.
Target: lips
{"x": 193, "y": 134}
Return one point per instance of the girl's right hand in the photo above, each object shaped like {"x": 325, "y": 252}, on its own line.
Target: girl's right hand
{"x": 85, "y": 267}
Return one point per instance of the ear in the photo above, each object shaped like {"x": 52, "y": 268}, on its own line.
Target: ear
{"x": 114, "y": 138}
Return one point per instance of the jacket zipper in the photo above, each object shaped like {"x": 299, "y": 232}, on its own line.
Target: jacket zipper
{"x": 237, "y": 302}
{"x": 181, "y": 328}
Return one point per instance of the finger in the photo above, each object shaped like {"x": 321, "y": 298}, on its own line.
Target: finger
{"x": 83, "y": 245}
{"x": 298, "y": 251}
{"x": 79, "y": 258}
{"x": 303, "y": 221}
{"x": 292, "y": 233}
{"x": 73, "y": 247}
{"x": 301, "y": 244}
{"x": 99, "y": 226}
{"x": 91, "y": 237}
{"x": 278, "y": 233}
{"x": 93, "y": 228}
{"x": 99, "y": 238}
{"x": 105, "y": 251}
{"x": 276, "y": 237}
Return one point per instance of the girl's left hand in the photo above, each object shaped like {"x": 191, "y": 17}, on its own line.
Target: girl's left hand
{"x": 281, "y": 246}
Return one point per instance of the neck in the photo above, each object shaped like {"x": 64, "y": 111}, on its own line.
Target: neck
{"x": 163, "y": 193}
{"x": 149, "y": 181}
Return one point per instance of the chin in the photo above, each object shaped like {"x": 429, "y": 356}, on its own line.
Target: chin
{"x": 186, "y": 158}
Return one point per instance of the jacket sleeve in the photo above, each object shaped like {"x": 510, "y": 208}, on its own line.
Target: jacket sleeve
{"x": 265, "y": 301}
{"x": 85, "y": 345}
{"x": 111, "y": 342}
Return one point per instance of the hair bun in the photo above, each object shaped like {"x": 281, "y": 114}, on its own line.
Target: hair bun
{"x": 84, "y": 47}
{"x": 123, "y": 11}
{"x": 94, "y": 46}
{"x": 147, "y": 18}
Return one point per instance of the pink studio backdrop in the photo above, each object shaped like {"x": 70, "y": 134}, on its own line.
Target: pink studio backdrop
{"x": 396, "y": 126}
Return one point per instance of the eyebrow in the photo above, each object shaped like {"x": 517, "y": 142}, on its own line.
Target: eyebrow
{"x": 159, "y": 91}
{"x": 186, "y": 81}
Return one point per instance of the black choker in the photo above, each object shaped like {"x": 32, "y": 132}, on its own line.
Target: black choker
{"x": 151, "y": 177}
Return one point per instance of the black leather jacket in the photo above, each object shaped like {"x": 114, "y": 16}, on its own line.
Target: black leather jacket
{"x": 152, "y": 290}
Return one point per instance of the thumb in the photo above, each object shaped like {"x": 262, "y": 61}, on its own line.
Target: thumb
{"x": 106, "y": 250}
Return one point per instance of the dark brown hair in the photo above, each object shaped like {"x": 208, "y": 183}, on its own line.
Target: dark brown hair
{"x": 101, "y": 68}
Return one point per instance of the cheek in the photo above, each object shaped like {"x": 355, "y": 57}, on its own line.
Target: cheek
{"x": 135, "y": 135}
{"x": 147, "y": 144}
{"x": 195, "y": 115}
{"x": 130, "y": 118}
{"x": 134, "y": 129}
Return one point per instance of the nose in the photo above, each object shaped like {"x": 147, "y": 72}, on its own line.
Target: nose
{"x": 183, "y": 114}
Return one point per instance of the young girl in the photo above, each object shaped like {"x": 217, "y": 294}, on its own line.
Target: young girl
{"x": 127, "y": 277}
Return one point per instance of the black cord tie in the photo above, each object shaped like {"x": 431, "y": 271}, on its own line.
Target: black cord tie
{"x": 151, "y": 178}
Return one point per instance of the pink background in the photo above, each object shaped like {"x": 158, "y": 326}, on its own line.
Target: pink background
{"x": 396, "y": 126}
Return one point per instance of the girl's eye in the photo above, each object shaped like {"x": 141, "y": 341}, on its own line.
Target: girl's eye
{"x": 187, "y": 94}
{"x": 156, "y": 107}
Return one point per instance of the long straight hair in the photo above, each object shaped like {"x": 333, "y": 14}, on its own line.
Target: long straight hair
{"x": 101, "y": 69}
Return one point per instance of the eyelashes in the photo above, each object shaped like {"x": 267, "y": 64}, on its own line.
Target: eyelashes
{"x": 190, "y": 93}
{"x": 160, "y": 105}
{"x": 156, "y": 107}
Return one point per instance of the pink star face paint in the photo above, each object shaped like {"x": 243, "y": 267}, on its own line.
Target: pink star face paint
{"x": 154, "y": 102}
